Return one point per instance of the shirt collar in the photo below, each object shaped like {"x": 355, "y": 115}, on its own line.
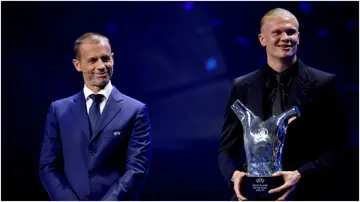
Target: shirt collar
{"x": 105, "y": 91}
{"x": 285, "y": 76}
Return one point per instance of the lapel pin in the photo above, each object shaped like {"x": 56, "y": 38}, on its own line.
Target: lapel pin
{"x": 117, "y": 133}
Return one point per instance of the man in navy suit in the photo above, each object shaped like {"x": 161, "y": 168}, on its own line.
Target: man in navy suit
{"x": 97, "y": 143}
{"x": 315, "y": 144}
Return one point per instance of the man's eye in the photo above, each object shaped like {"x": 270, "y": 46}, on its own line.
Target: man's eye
{"x": 92, "y": 60}
{"x": 291, "y": 32}
{"x": 105, "y": 59}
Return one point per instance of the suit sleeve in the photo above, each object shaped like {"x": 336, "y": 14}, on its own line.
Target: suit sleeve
{"x": 335, "y": 132}
{"x": 51, "y": 169}
{"x": 138, "y": 158}
{"x": 231, "y": 153}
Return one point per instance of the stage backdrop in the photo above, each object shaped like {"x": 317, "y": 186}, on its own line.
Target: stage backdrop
{"x": 177, "y": 57}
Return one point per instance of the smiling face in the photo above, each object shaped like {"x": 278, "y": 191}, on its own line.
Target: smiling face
{"x": 280, "y": 36}
{"x": 96, "y": 62}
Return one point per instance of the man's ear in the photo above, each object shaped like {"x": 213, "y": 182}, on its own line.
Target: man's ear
{"x": 112, "y": 56}
{"x": 262, "y": 39}
{"x": 298, "y": 42}
{"x": 76, "y": 64}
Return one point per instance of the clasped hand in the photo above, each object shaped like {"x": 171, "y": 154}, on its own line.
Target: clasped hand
{"x": 291, "y": 179}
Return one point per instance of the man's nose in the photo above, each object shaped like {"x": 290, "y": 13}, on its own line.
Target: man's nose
{"x": 100, "y": 64}
{"x": 285, "y": 37}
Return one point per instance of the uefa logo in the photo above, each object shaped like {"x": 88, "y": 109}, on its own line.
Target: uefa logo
{"x": 260, "y": 180}
{"x": 263, "y": 131}
{"x": 260, "y": 135}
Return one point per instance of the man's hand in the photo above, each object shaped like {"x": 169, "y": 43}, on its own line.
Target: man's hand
{"x": 291, "y": 179}
{"x": 236, "y": 178}
{"x": 289, "y": 121}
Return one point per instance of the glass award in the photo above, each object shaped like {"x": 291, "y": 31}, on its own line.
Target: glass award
{"x": 263, "y": 143}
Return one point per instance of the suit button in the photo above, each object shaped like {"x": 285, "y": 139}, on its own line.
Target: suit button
{"x": 91, "y": 153}
{"x": 87, "y": 198}
{"x": 91, "y": 174}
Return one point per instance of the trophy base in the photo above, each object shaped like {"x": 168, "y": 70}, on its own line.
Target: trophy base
{"x": 256, "y": 188}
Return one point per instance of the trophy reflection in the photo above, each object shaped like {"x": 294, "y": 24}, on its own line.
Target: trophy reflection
{"x": 263, "y": 143}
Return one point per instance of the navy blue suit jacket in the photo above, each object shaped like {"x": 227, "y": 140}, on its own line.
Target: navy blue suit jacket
{"x": 111, "y": 165}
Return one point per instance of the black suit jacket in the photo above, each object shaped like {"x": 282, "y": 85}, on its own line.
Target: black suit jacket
{"x": 315, "y": 143}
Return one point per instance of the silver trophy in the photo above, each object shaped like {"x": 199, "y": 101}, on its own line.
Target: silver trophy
{"x": 263, "y": 143}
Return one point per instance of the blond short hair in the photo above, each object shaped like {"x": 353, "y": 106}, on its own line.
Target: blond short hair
{"x": 277, "y": 12}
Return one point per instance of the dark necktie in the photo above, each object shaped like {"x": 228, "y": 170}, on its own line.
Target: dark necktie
{"x": 278, "y": 105}
{"x": 94, "y": 112}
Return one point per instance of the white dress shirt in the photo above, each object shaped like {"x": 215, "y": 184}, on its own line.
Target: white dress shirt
{"x": 105, "y": 92}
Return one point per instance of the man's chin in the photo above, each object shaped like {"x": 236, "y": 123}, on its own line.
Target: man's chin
{"x": 102, "y": 83}
{"x": 286, "y": 56}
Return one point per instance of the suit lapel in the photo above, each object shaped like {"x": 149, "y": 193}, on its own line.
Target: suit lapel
{"x": 300, "y": 88}
{"x": 255, "y": 93}
{"x": 111, "y": 109}
{"x": 79, "y": 111}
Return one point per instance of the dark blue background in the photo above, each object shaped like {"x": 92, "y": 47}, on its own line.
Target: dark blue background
{"x": 177, "y": 57}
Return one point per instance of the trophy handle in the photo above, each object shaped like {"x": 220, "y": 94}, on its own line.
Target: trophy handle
{"x": 284, "y": 117}
{"x": 241, "y": 111}
{"x": 282, "y": 123}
